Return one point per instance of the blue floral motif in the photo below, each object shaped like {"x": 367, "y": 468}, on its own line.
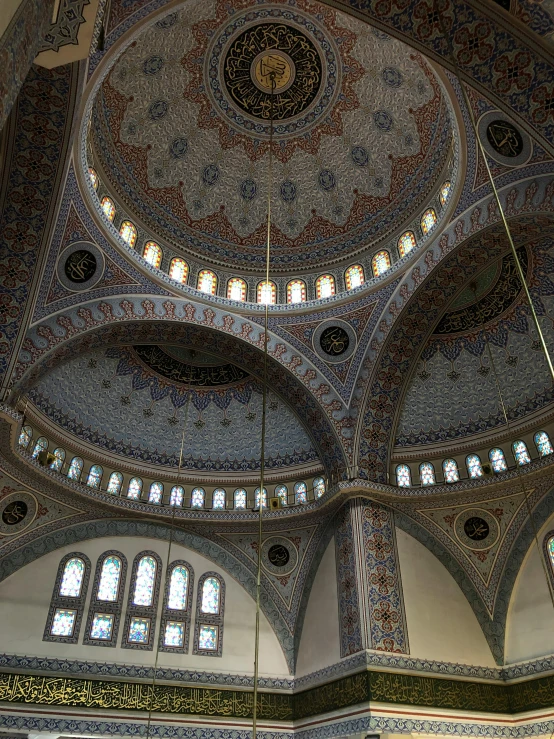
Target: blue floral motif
{"x": 152, "y": 65}
{"x": 210, "y": 175}
{"x": 158, "y": 109}
{"x": 392, "y": 77}
{"x": 178, "y": 148}
{"x": 383, "y": 120}
{"x": 248, "y": 190}
{"x": 327, "y": 180}
{"x": 359, "y": 155}
{"x": 287, "y": 191}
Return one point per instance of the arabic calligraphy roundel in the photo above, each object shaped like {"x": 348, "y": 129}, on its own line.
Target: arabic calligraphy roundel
{"x": 334, "y": 341}
{"x": 279, "y": 555}
{"x": 80, "y": 266}
{"x": 17, "y": 512}
{"x": 476, "y": 529}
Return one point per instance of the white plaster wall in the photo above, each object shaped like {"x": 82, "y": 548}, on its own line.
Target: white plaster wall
{"x": 25, "y": 598}
{"x": 441, "y": 623}
{"x": 319, "y": 645}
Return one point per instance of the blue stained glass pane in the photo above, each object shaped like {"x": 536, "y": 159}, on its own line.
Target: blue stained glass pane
{"x": 210, "y": 595}
{"x": 198, "y": 497}
{"x": 57, "y": 464}
{"x": 282, "y": 492}
{"x": 138, "y": 630}
{"x": 240, "y": 498}
{"x": 301, "y": 493}
{"x": 135, "y": 488}
{"x": 521, "y": 453}
{"x": 95, "y": 476}
{"x": 207, "y": 638}
{"x": 144, "y": 584}
{"x": 63, "y": 622}
{"x": 25, "y": 436}
{"x": 177, "y": 599}
{"x": 427, "y": 473}
{"x": 450, "y": 469}
{"x": 403, "y": 476}
{"x": 543, "y": 443}
{"x": 72, "y": 579}
{"x": 498, "y": 460}
{"x": 40, "y": 446}
{"x": 109, "y": 579}
{"x": 156, "y": 492}
{"x": 115, "y": 482}
{"x": 257, "y": 498}
{"x": 75, "y": 468}
{"x": 319, "y": 487}
{"x": 218, "y": 500}
{"x": 474, "y": 466}
{"x": 102, "y": 625}
{"x": 176, "y": 496}
{"x": 551, "y": 549}
{"x": 174, "y": 634}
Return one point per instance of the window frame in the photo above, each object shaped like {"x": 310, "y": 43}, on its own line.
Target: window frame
{"x": 381, "y": 252}
{"x": 183, "y": 615}
{"x": 111, "y": 607}
{"x": 535, "y": 435}
{"x": 65, "y": 602}
{"x": 139, "y": 611}
{"x": 209, "y": 619}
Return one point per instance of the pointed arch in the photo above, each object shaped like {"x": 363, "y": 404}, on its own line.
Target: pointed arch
{"x": 67, "y": 604}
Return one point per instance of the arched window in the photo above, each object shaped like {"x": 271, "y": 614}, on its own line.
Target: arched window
{"x": 68, "y": 599}
{"x": 296, "y": 291}
{"x": 156, "y": 493}
{"x": 282, "y": 492}
{"x": 474, "y": 466}
{"x": 134, "y": 489}
{"x": 40, "y": 446}
{"x": 257, "y": 499}
{"x": 25, "y": 436}
{"x": 380, "y": 263}
{"x": 239, "y": 497}
{"x": 267, "y": 293}
{"x": 140, "y": 619}
{"x": 128, "y": 233}
{"x": 444, "y": 193}
{"x": 75, "y": 468}
{"x": 521, "y": 453}
{"x": 207, "y": 282}
{"x": 403, "y": 476}
{"x": 152, "y": 253}
{"x": 95, "y": 476}
{"x": 198, "y": 498}
{"x": 300, "y": 493}
{"x": 354, "y": 276}
{"x": 427, "y": 473}
{"x": 325, "y": 286}
{"x": 406, "y": 243}
{"x": 115, "y": 482}
{"x": 109, "y": 208}
{"x": 236, "y": 289}
{"x": 498, "y": 460}
{"x": 219, "y": 498}
{"x": 450, "y": 470}
{"x": 210, "y": 603}
{"x": 177, "y": 496}
{"x": 319, "y": 487}
{"x": 59, "y": 459}
{"x": 428, "y": 220}
{"x": 543, "y": 444}
{"x": 179, "y": 270}
{"x": 175, "y": 626}
{"x": 93, "y": 177}
{"x": 106, "y": 602}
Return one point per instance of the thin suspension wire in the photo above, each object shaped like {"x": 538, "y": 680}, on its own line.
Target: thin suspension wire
{"x": 264, "y": 407}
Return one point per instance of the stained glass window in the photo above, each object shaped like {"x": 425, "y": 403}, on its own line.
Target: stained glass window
{"x": 474, "y": 466}
{"x": 296, "y": 291}
{"x": 102, "y": 625}
{"x": 152, "y": 253}
{"x": 428, "y": 220}
{"x": 319, "y": 487}
{"x": 282, "y": 492}
{"x": 207, "y": 282}
{"x": 178, "y": 270}
{"x": 406, "y": 243}
{"x": 93, "y": 177}
{"x": 109, "y": 208}
{"x": 427, "y": 473}
{"x": 267, "y": 293}
{"x": 25, "y": 436}
{"x": 174, "y": 635}
{"x": 210, "y": 595}
{"x": 108, "y": 585}
{"x": 75, "y": 468}
{"x": 63, "y": 622}
{"x": 138, "y": 630}
{"x": 115, "y": 482}
{"x": 403, "y": 476}
{"x": 156, "y": 493}
{"x": 300, "y": 493}
{"x": 380, "y": 263}
{"x": 354, "y": 276}
{"x": 236, "y": 289}
{"x": 177, "y": 496}
{"x": 177, "y": 598}
{"x": 544, "y": 445}
{"x": 550, "y": 546}
{"x": 95, "y": 476}
{"x": 128, "y": 233}
{"x": 450, "y": 470}
{"x": 207, "y": 637}
{"x": 144, "y": 584}
{"x": 498, "y": 460}
{"x": 59, "y": 455}
{"x": 521, "y": 453}
{"x": 257, "y": 498}
{"x": 218, "y": 499}
{"x": 239, "y": 497}
{"x": 198, "y": 497}
{"x": 40, "y": 446}
{"x": 135, "y": 488}
{"x": 444, "y": 193}
{"x": 72, "y": 580}
{"x": 325, "y": 286}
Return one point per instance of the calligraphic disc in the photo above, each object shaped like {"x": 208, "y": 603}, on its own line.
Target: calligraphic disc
{"x": 17, "y": 511}
{"x": 502, "y": 140}
{"x": 80, "y": 266}
{"x": 334, "y": 341}
{"x": 476, "y": 529}
{"x": 279, "y": 556}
